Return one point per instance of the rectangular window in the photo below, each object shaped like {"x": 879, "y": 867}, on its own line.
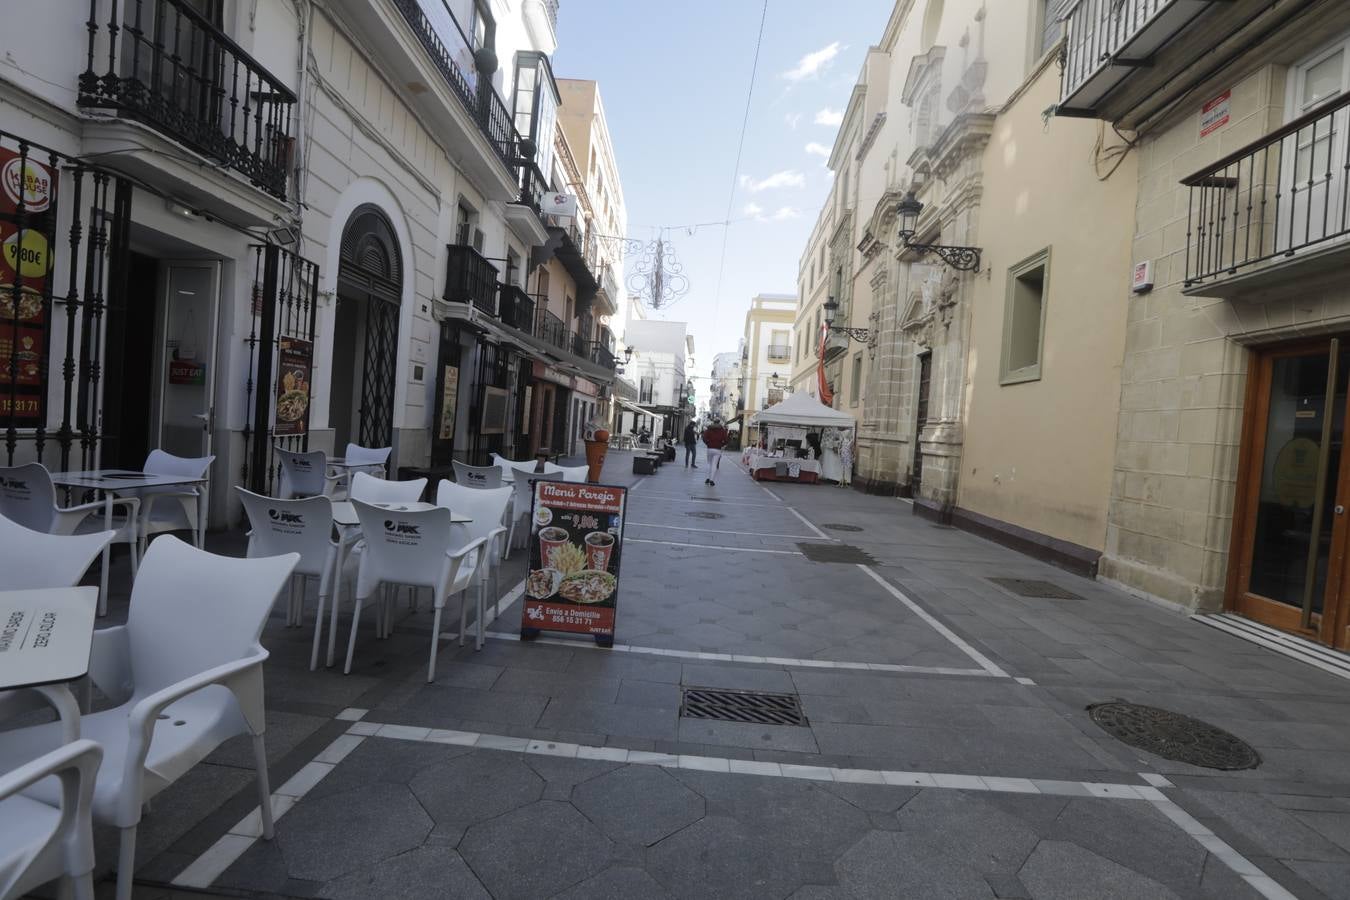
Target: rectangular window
{"x": 645, "y": 389}
{"x": 779, "y": 348}
{"x": 464, "y": 227}
{"x": 855, "y": 388}
{"x": 1051, "y": 26}
{"x": 1024, "y": 319}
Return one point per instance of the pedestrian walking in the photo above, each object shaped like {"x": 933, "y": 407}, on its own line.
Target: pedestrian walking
{"x": 715, "y": 438}
{"x": 690, "y": 446}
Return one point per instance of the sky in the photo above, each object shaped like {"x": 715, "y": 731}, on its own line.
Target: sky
{"x": 673, "y": 79}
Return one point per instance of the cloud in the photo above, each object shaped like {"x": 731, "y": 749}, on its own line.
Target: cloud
{"x": 813, "y": 63}
{"x": 829, "y": 116}
{"x": 753, "y": 210}
{"x": 817, "y": 149}
{"x": 783, "y": 179}
{"x": 792, "y": 119}
{"x": 784, "y": 213}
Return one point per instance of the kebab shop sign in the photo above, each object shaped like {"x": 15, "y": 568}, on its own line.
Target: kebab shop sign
{"x": 576, "y": 541}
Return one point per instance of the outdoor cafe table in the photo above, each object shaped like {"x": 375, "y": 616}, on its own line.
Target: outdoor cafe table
{"x": 45, "y": 638}
{"x": 110, "y": 482}
{"x": 344, "y": 468}
{"x": 349, "y": 529}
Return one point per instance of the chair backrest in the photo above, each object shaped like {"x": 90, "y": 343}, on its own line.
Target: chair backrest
{"x": 524, "y": 488}
{"x": 477, "y": 476}
{"x": 192, "y": 610}
{"x": 574, "y": 473}
{"x": 27, "y": 496}
{"x": 290, "y": 526}
{"x": 161, "y": 463}
{"x": 302, "y": 474}
{"x": 369, "y": 489}
{"x": 35, "y": 559}
{"x": 403, "y": 547}
{"x": 375, "y": 456}
{"x": 484, "y": 506}
{"x": 510, "y": 465}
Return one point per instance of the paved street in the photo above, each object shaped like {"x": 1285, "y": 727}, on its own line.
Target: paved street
{"x": 947, "y": 751}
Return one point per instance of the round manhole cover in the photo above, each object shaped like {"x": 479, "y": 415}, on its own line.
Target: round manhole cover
{"x": 837, "y": 527}
{"x": 1174, "y": 736}
{"x": 703, "y": 515}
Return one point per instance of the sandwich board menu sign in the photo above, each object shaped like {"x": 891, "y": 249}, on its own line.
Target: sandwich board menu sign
{"x": 576, "y": 541}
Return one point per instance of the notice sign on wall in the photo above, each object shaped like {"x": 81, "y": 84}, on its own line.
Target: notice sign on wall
{"x": 295, "y": 360}
{"x": 576, "y": 539}
{"x": 25, "y": 267}
{"x": 1216, "y": 113}
{"x": 449, "y": 396}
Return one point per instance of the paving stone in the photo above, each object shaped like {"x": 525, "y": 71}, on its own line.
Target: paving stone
{"x": 284, "y": 732}
{"x": 475, "y": 787}
{"x": 879, "y": 798}
{"x": 991, "y": 841}
{"x": 564, "y": 773}
{"x": 754, "y": 737}
{"x": 1135, "y": 835}
{"x": 884, "y": 866}
{"x": 1332, "y": 879}
{"x": 617, "y": 883}
{"x": 1058, "y": 870}
{"x": 323, "y": 839}
{"x": 536, "y": 850}
{"x": 1222, "y": 883}
{"x": 377, "y": 759}
{"x": 638, "y": 804}
{"x": 429, "y": 872}
{"x": 1276, "y": 832}
{"x": 175, "y": 812}
{"x": 609, "y": 719}
{"x": 742, "y": 860}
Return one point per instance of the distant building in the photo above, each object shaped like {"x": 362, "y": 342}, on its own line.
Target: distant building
{"x": 766, "y": 353}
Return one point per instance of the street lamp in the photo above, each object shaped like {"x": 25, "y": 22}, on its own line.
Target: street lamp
{"x": 962, "y": 259}
{"x": 861, "y": 335}
{"x": 627, "y": 355}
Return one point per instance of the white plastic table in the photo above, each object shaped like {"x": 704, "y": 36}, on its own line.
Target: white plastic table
{"x": 344, "y": 468}
{"x": 110, "y": 482}
{"x": 45, "y": 638}
{"x": 349, "y": 529}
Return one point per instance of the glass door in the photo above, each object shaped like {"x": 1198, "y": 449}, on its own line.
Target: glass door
{"x": 187, "y": 364}
{"x": 1290, "y": 517}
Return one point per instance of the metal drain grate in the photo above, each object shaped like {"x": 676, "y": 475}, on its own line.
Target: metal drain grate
{"x": 705, "y": 515}
{"x": 742, "y": 706}
{"x": 1174, "y": 736}
{"x": 835, "y": 553}
{"x": 1030, "y": 587}
{"x": 837, "y": 527}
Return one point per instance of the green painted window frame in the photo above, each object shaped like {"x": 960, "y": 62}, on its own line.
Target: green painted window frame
{"x": 855, "y": 389}
{"x": 1039, "y": 260}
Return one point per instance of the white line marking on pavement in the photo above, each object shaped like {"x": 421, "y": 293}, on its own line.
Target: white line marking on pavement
{"x": 492, "y": 612}
{"x": 983, "y": 661}
{"x": 687, "y": 499}
{"x": 783, "y": 661}
{"x": 635, "y": 484}
{"x": 771, "y": 493}
{"x": 795, "y": 537}
{"x": 808, "y": 523}
{"x": 712, "y": 547}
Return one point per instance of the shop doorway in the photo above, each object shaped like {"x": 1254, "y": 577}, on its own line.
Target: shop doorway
{"x": 920, "y": 420}
{"x": 1290, "y": 530}
{"x": 365, "y": 333}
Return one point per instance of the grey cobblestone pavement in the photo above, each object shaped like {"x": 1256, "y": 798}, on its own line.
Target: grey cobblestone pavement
{"x": 947, "y": 750}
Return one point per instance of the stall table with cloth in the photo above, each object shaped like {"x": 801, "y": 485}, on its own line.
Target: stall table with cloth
{"x": 790, "y": 424}
{"x": 778, "y": 468}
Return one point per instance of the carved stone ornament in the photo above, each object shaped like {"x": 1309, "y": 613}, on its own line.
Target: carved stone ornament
{"x": 948, "y": 287}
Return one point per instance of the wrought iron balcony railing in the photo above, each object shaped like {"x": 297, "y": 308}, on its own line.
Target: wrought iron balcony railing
{"x": 515, "y": 308}
{"x": 532, "y": 187}
{"x": 602, "y": 355}
{"x": 580, "y": 346}
{"x": 172, "y": 68}
{"x": 453, "y": 54}
{"x": 1286, "y": 192}
{"x": 609, "y": 282}
{"x": 469, "y": 278}
{"x": 779, "y": 351}
{"x": 550, "y": 328}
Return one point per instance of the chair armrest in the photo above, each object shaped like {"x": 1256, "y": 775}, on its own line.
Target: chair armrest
{"x": 76, "y": 765}
{"x": 243, "y": 677}
{"x": 69, "y": 518}
{"x": 110, "y": 663}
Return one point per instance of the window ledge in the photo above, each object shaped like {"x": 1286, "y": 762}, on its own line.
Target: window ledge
{"x": 1021, "y": 376}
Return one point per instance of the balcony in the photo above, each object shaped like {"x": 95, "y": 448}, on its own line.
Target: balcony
{"x": 779, "y": 352}
{"x": 602, "y": 355}
{"x": 469, "y": 278}
{"x": 575, "y": 251}
{"x": 607, "y": 298}
{"x": 515, "y": 308}
{"x": 171, "y": 68}
{"x": 550, "y": 329}
{"x": 523, "y": 215}
{"x": 1275, "y": 204}
{"x": 1107, "y": 40}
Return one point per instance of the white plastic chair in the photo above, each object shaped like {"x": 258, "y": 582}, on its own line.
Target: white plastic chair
{"x": 369, "y": 489}
{"x": 488, "y": 477}
{"x": 27, "y": 496}
{"x": 510, "y": 467}
{"x": 487, "y": 509}
{"x": 34, "y": 559}
{"x": 416, "y": 549}
{"x": 41, "y": 843}
{"x": 296, "y": 526}
{"x": 373, "y": 460}
{"x": 304, "y": 474}
{"x": 186, "y": 673}
{"x": 172, "y": 507}
{"x": 574, "y": 473}
{"x": 522, "y": 500}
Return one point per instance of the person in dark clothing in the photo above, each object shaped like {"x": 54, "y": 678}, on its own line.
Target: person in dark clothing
{"x": 690, "y": 445}
{"x": 715, "y": 436}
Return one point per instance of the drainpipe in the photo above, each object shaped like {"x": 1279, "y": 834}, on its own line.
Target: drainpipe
{"x": 304, "y": 11}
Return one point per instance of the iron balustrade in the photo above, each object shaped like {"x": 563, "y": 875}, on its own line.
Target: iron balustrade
{"x": 779, "y": 351}
{"x": 451, "y": 51}
{"x": 1099, "y": 29}
{"x": 609, "y": 283}
{"x": 602, "y": 355}
{"x": 532, "y": 187}
{"x": 515, "y": 308}
{"x": 550, "y": 328}
{"x": 1280, "y": 194}
{"x": 469, "y": 278}
{"x": 172, "y": 68}
{"x": 580, "y": 346}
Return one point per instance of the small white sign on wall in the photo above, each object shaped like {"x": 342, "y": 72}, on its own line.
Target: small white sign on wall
{"x": 1143, "y": 277}
{"x": 1216, "y": 113}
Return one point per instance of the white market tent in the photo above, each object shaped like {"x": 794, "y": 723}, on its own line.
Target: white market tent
{"x": 801, "y": 410}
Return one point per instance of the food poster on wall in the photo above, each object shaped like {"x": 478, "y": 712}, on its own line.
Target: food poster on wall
{"x": 294, "y": 362}
{"x": 449, "y": 396}
{"x": 576, "y": 540}
{"x": 25, "y": 266}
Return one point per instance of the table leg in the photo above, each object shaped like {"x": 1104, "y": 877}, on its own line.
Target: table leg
{"x": 63, "y": 701}
{"x": 107, "y": 553}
